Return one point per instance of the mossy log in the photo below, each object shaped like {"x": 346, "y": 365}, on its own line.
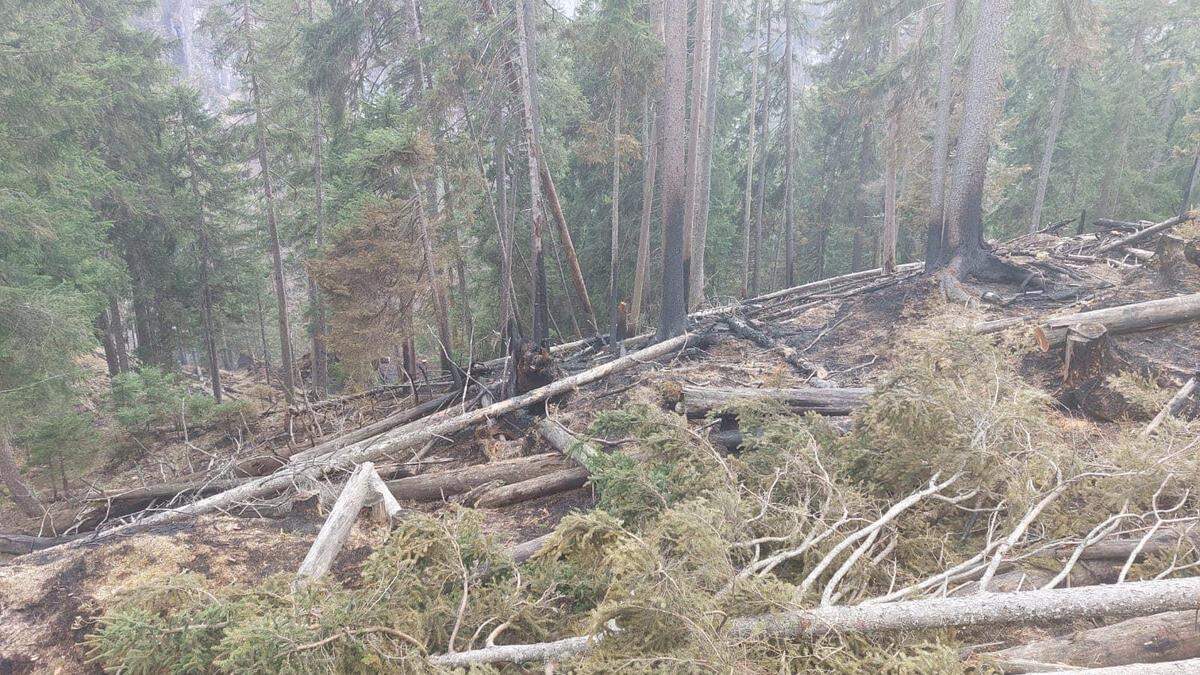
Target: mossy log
{"x": 1140, "y": 316}
{"x": 1171, "y": 636}
{"x": 699, "y": 401}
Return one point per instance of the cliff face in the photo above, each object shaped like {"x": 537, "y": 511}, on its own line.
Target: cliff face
{"x": 189, "y": 50}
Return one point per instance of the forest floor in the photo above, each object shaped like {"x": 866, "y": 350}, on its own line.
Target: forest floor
{"x": 51, "y": 600}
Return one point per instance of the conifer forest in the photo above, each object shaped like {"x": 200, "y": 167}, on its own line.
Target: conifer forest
{"x": 599, "y": 336}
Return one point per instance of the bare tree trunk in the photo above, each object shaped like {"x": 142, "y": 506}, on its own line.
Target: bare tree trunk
{"x": 1061, "y": 80}
{"x": 673, "y": 314}
{"x": 964, "y": 212}
{"x": 700, "y": 233}
{"x": 935, "y": 244}
{"x": 117, "y": 328}
{"x": 206, "y": 296}
{"x": 460, "y": 266}
{"x": 507, "y": 291}
{"x": 700, "y": 36}
{"x": 262, "y": 333}
{"x": 650, "y": 167}
{"x": 789, "y": 225}
{"x": 891, "y": 227}
{"x": 748, "y": 193}
{"x": 285, "y": 334}
{"x": 18, "y": 488}
{"x": 756, "y": 247}
{"x": 441, "y": 303}
{"x": 525, "y": 24}
{"x": 1189, "y": 186}
{"x": 104, "y": 334}
{"x": 1122, "y": 130}
{"x": 320, "y": 330}
{"x": 614, "y": 234}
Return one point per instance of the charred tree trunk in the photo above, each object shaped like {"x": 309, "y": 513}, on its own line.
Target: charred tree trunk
{"x": 748, "y": 193}
{"x": 104, "y": 335}
{"x": 936, "y": 239}
{"x": 700, "y": 233}
{"x": 614, "y": 253}
{"x": 1090, "y": 360}
{"x": 319, "y": 329}
{"x": 18, "y": 488}
{"x": 964, "y": 208}
{"x": 525, "y": 20}
{"x": 700, "y": 34}
{"x": 441, "y": 303}
{"x": 756, "y": 246}
{"x": 673, "y": 312}
{"x": 117, "y": 328}
{"x": 789, "y": 225}
{"x": 285, "y": 334}
{"x": 650, "y": 167}
{"x": 1061, "y": 81}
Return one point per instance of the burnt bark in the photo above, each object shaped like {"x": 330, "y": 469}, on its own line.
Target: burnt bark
{"x": 673, "y": 313}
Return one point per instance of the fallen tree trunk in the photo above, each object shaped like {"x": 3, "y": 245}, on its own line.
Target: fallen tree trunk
{"x": 438, "y": 486}
{"x": 1187, "y": 667}
{"x": 412, "y": 435}
{"x": 258, "y": 466}
{"x": 1172, "y": 407}
{"x": 336, "y": 529}
{"x": 744, "y": 330}
{"x": 533, "y": 488}
{"x": 166, "y": 491}
{"x": 20, "y": 544}
{"x": 1121, "y": 319}
{"x": 1028, "y": 607}
{"x": 1142, "y": 234}
{"x": 814, "y": 286}
{"x": 568, "y": 445}
{"x": 1148, "y": 639}
{"x": 699, "y": 401}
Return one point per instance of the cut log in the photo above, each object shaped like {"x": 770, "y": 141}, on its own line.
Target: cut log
{"x": 407, "y": 437}
{"x": 1188, "y": 667}
{"x": 699, "y": 401}
{"x": 1121, "y": 319}
{"x": 1090, "y": 360}
{"x": 336, "y": 529}
{"x": 533, "y": 488}
{"x": 440, "y": 485}
{"x": 527, "y": 549}
{"x": 744, "y": 330}
{"x": 1149, "y": 639}
{"x": 1028, "y": 607}
{"x": 1172, "y": 407}
{"x": 1141, "y": 234}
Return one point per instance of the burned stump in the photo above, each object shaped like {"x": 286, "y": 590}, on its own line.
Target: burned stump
{"x": 1091, "y": 357}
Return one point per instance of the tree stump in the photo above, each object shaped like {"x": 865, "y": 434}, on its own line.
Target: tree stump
{"x": 1191, "y": 251}
{"x": 1090, "y": 359}
{"x": 1170, "y": 256}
